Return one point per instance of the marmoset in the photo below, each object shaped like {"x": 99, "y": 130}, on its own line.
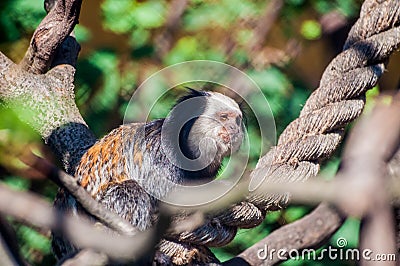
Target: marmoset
{"x": 135, "y": 164}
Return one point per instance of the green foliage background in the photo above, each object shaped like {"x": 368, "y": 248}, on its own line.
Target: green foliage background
{"x": 120, "y": 49}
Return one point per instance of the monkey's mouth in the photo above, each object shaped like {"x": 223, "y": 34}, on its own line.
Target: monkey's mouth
{"x": 229, "y": 138}
{"x": 225, "y": 137}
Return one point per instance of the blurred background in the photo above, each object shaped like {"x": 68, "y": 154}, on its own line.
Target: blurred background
{"x": 283, "y": 45}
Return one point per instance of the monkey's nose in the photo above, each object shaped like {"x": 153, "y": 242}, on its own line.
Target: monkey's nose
{"x": 232, "y": 129}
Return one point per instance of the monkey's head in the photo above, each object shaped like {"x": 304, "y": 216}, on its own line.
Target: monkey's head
{"x": 221, "y": 121}
{"x": 210, "y": 128}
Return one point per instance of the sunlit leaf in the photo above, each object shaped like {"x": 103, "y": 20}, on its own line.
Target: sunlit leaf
{"x": 311, "y": 30}
{"x": 82, "y": 33}
{"x": 150, "y": 14}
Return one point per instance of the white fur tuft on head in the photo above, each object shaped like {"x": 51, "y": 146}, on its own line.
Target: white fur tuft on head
{"x": 218, "y": 130}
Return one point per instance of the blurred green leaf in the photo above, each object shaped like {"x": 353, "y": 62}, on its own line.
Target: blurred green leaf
{"x": 272, "y": 217}
{"x": 34, "y": 239}
{"x": 185, "y": 49}
{"x": 128, "y": 82}
{"x": 118, "y": 16}
{"x": 134, "y": 18}
{"x": 243, "y": 36}
{"x": 270, "y": 80}
{"x": 149, "y": 14}
{"x": 17, "y": 183}
{"x": 311, "y": 30}
{"x": 349, "y": 8}
{"x": 19, "y": 17}
{"x": 191, "y": 48}
{"x": 205, "y": 16}
{"x": 82, "y": 33}
{"x": 243, "y": 9}
{"x": 324, "y": 6}
{"x": 139, "y": 37}
{"x": 372, "y": 93}
{"x": 349, "y": 231}
{"x": 107, "y": 62}
{"x": 292, "y": 214}
{"x": 371, "y": 96}
{"x": 330, "y": 169}
{"x": 20, "y": 131}
{"x": 295, "y": 2}
{"x": 274, "y": 85}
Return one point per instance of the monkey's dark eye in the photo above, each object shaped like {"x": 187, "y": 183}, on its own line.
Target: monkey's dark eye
{"x": 223, "y": 117}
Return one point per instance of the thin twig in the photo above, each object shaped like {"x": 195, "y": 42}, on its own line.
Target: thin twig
{"x": 68, "y": 182}
{"x": 9, "y": 249}
{"x": 32, "y": 210}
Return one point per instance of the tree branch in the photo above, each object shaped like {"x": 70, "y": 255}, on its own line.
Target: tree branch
{"x": 9, "y": 250}
{"x": 34, "y": 211}
{"x": 69, "y": 183}
{"x": 47, "y": 102}
{"x": 49, "y": 35}
{"x": 85, "y": 257}
{"x": 371, "y": 146}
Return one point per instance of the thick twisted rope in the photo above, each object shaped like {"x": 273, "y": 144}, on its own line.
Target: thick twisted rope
{"x": 318, "y": 131}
